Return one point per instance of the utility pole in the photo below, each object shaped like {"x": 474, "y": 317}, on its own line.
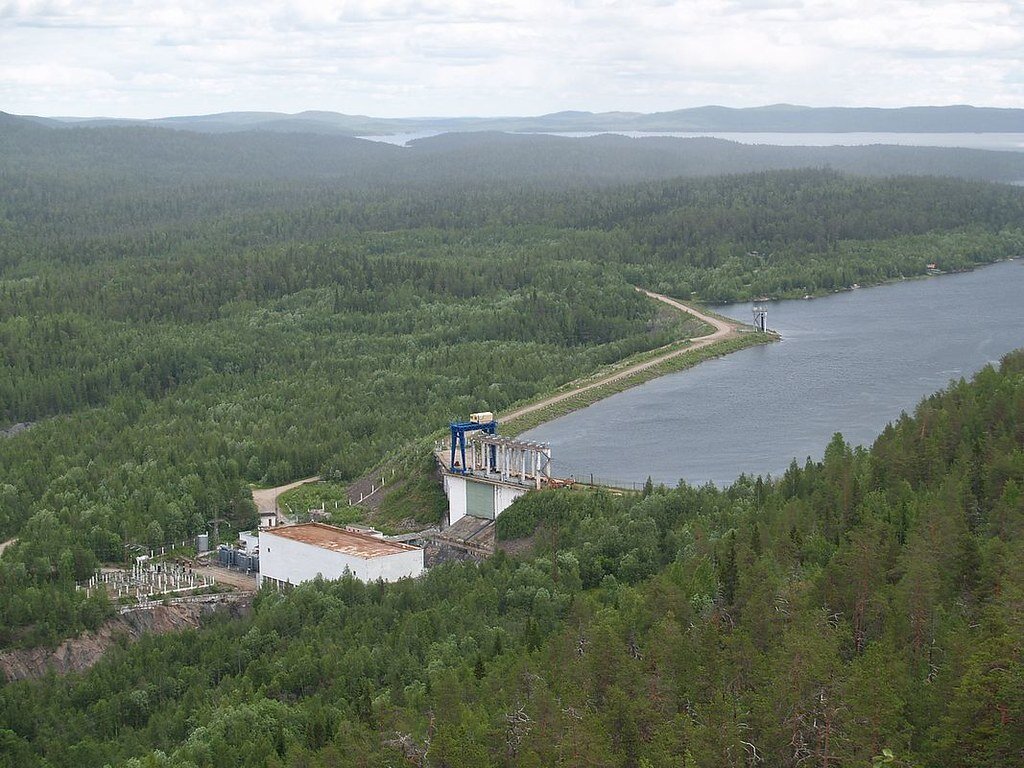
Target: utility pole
{"x": 215, "y": 522}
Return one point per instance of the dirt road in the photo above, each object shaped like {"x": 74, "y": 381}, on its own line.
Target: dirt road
{"x": 4, "y": 545}
{"x": 723, "y": 330}
{"x": 266, "y": 498}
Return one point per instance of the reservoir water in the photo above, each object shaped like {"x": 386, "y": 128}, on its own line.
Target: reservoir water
{"x": 849, "y": 363}
{"x": 1008, "y": 142}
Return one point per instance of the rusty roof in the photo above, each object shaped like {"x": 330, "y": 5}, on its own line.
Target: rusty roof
{"x": 338, "y": 540}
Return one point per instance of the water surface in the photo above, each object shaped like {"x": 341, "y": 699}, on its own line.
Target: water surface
{"x": 1011, "y": 142}
{"x": 849, "y": 362}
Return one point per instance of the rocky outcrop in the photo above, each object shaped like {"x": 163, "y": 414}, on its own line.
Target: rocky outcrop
{"x": 16, "y": 429}
{"x": 79, "y": 653}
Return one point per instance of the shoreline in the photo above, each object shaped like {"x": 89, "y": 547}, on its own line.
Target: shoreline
{"x": 858, "y": 286}
{"x": 583, "y": 395}
{"x": 728, "y": 336}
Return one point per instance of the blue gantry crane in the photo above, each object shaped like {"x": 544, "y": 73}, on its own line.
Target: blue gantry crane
{"x": 478, "y": 422}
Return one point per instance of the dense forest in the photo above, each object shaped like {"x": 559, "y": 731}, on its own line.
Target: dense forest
{"x": 867, "y": 609}
{"x": 182, "y": 316}
{"x": 324, "y": 435}
{"x": 160, "y": 158}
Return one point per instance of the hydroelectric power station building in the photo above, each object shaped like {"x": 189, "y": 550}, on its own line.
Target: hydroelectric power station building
{"x": 484, "y": 472}
{"x": 292, "y": 554}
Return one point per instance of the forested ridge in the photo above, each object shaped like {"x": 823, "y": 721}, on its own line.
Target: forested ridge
{"x": 775, "y": 117}
{"x": 160, "y": 156}
{"x": 182, "y": 316}
{"x": 865, "y": 609}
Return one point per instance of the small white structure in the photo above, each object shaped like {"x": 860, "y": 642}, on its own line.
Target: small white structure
{"x": 292, "y": 554}
{"x": 249, "y": 541}
{"x": 268, "y": 518}
{"x": 366, "y": 530}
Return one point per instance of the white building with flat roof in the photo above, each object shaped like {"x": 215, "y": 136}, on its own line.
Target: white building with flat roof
{"x": 292, "y": 554}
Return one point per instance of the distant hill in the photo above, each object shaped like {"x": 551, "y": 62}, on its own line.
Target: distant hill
{"x": 786, "y": 118}
{"x": 796, "y": 119}
{"x": 167, "y": 157}
{"x": 610, "y": 157}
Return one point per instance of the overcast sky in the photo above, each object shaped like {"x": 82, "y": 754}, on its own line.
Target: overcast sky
{"x": 477, "y": 57}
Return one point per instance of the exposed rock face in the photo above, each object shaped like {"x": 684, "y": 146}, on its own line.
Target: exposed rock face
{"x": 80, "y": 653}
{"x": 16, "y": 429}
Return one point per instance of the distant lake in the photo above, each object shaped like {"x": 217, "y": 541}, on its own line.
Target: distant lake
{"x": 402, "y": 139}
{"x": 997, "y": 141}
{"x": 849, "y": 363}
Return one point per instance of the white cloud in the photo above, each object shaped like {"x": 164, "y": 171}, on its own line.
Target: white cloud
{"x": 942, "y": 29}
{"x": 404, "y": 57}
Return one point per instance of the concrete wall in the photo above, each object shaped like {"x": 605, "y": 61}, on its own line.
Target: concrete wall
{"x": 455, "y": 489}
{"x": 295, "y": 562}
{"x": 479, "y": 499}
{"x": 504, "y": 496}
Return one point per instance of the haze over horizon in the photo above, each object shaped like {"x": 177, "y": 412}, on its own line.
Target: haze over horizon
{"x": 312, "y": 113}
{"x": 403, "y": 58}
